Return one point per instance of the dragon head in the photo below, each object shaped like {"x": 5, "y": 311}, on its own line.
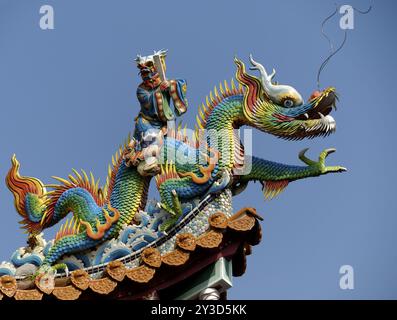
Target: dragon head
{"x": 280, "y": 109}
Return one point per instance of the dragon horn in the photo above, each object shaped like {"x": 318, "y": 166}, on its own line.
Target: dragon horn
{"x": 266, "y": 78}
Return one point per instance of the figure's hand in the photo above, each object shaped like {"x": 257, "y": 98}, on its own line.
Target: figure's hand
{"x": 164, "y": 85}
{"x": 319, "y": 166}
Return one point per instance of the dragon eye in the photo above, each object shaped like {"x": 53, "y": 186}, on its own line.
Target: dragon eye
{"x": 288, "y": 103}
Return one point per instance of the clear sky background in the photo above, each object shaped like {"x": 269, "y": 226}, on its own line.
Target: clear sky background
{"x": 67, "y": 100}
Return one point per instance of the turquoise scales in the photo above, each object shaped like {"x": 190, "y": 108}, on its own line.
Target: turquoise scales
{"x": 100, "y": 213}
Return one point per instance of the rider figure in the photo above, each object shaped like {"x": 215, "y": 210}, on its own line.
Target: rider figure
{"x": 155, "y": 94}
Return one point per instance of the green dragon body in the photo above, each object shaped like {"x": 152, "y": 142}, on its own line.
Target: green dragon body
{"x": 219, "y": 163}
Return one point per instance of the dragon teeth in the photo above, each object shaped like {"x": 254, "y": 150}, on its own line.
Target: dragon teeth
{"x": 326, "y": 124}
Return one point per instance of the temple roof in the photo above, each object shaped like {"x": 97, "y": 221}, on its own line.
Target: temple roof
{"x": 231, "y": 238}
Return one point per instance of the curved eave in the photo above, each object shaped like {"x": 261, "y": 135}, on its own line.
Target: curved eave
{"x": 231, "y": 238}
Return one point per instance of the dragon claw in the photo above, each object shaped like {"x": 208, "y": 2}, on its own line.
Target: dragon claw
{"x": 326, "y": 153}
{"x": 330, "y": 150}
{"x": 46, "y": 269}
{"x": 305, "y": 159}
{"x": 319, "y": 166}
{"x": 167, "y": 208}
{"x": 168, "y": 224}
{"x": 175, "y": 211}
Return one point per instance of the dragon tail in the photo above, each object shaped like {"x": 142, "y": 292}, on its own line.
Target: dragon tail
{"x": 29, "y": 198}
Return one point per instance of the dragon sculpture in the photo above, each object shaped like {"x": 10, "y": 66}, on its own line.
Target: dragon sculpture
{"x": 100, "y": 214}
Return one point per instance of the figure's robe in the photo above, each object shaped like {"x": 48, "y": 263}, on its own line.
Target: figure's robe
{"x": 155, "y": 108}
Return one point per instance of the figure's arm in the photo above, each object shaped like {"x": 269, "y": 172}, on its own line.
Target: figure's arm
{"x": 177, "y": 91}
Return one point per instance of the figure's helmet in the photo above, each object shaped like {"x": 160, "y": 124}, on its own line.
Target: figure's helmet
{"x": 146, "y": 65}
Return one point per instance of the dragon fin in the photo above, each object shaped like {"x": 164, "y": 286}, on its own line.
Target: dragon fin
{"x": 273, "y": 188}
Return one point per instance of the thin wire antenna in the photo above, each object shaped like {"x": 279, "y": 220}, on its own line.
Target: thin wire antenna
{"x": 363, "y": 12}
{"x": 329, "y": 58}
{"x": 322, "y": 28}
{"x": 332, "y": 52}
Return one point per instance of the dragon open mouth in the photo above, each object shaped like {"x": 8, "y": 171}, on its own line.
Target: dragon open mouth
{"x": 323, "y": 105}
{"x": 318, "y": 121}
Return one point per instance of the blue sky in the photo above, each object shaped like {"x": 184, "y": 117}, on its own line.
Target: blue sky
{"x": 68, "y": 100}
